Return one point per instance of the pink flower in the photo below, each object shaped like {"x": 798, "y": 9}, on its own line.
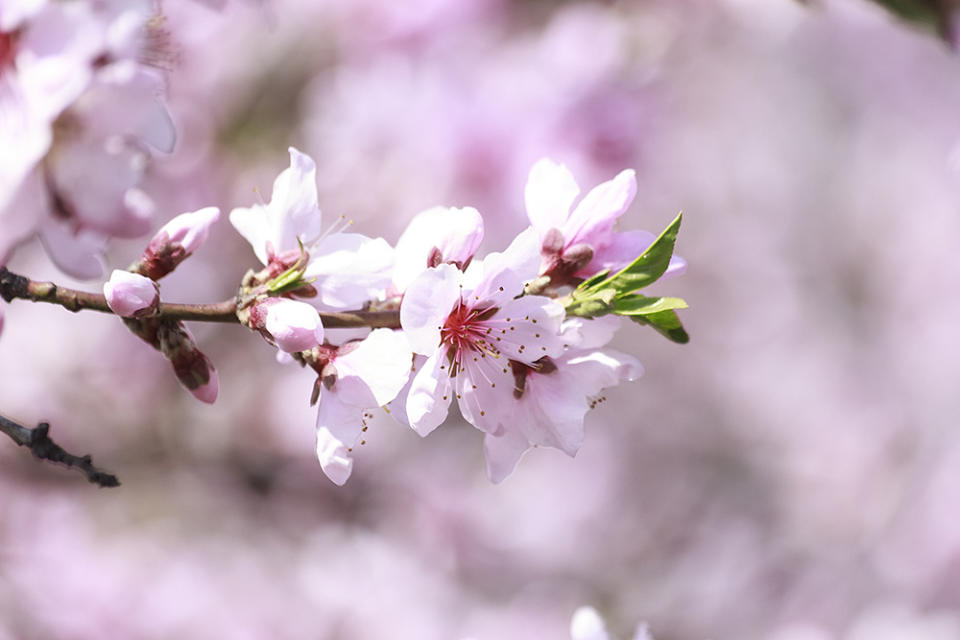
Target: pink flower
{"x": 436, "y": 236}
{"x": 470, "y": 325}
{"x": 176, "y": 241}
{"x": 355, "y": 378}
{"x": 77, "y": 64}
{"x": 582, "y": 242}
{"x": 551, "y": 397}
{"x": 292, "y": 325}
{"x": 347, "y": 268}
{"x": 130, "y": 294}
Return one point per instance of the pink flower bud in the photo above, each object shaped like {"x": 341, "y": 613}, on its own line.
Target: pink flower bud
{"x": 175, "y": 242}
{"x": 189, "y": 230}
{"x": 208, "y": 392}
{"x": 130, "y": 294}
{"x": 294, "y": 326}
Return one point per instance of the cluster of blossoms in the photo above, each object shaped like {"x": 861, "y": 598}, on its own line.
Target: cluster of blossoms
{"x": 518, "y": 338}
{"x": 79, "y": 116}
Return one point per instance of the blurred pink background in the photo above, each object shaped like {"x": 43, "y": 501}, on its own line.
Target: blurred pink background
{"x": 791, "y": 474}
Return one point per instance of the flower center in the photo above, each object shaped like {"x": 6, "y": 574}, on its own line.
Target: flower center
{"x": 463, "y": 330}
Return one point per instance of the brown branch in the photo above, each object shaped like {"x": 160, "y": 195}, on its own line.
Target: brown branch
{"x": 44, "y": 448}
{"x": 13, "y": 286}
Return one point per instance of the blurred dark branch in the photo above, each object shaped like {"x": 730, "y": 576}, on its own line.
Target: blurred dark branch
{"x": 13, "y": 286}
{"x": 43, "y": 447}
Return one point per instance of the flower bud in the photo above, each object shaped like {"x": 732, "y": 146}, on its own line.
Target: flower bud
{"x": 293, "y": 326}
{"x": 175, "y": 242}
{"x": 192, "y": 368}
{"x": 131, "y": 294}
{"x": 208, "y": 392}
{"x": 190, "y": 230}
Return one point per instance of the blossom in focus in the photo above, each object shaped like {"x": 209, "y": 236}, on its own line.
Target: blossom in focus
{"x": 552, "y": 396}
{"x": 290, "y": 324}
{"x": 582, "y": 242}
{"x": 355, "y": 378}
{"x": 436, "y": 236}
{"x": 347, "y": 269}
{"x": 129, "y": 294}
{"x": 470, "y": 325}
{"x": 176, "y": 241}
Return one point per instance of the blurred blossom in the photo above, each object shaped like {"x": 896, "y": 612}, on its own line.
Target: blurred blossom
{"x": 83, "y": 108}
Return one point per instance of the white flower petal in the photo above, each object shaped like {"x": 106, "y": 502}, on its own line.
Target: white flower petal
{"x": 592, "y": 221}
{"x": 502, "y": 453}
{"x": 588, "y": 625}
{"x": 549, "y": 194}
{"x": 427, "y": 303}
{"x": 381, "y": 361}
{"x": 456, "y": 233}
{"x": 430, "y": 394}
{"x": 339, "y": 425}
{"x": 293, "y": 210}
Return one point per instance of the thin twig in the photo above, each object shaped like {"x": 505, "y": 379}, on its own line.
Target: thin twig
{"x": 13, "y": 286}
{"x": 43, "y": 447}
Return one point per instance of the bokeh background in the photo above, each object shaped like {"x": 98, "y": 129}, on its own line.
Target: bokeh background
{"x": 791, "y": 474}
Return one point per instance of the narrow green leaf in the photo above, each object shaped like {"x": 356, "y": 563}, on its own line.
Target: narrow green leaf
{"x": 637, "y": 305}
{"x": 651, "y": 264}
{"x": 666, "y": 323}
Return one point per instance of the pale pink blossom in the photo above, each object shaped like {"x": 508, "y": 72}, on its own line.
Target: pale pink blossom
{"x": 356, "y": 378}
{"x": 581, "y": 242}
{"x": 436, "y": 236}
{"x": 290, "y": 324}
{"x": 552, "y": 396}
{"x": 76, "y": 63}
{"x": 129, "y": 294}
{"x": 470, "y": 325}
{"x": 347, "y": 269}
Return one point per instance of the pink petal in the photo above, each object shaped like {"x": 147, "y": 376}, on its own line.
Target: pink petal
{"x": 293, "y": 210}
{"x": 252, "y": 223}
{"x": 502, "y": 453}
{"x": 592, "y": 221}
{"x": 430, "y": 394}
{"x": 456, "y": 233}
{"x": 549, "y": 194}
{"x": 427, "y": 303}
{"x": 484, "y": 387}
{"x": 339, "y": 425}
{"x": 350, "y": 269}
{"x": 381, "y": 362}
{"x": 78, "y": 255}
{"x": 588, "y": 625}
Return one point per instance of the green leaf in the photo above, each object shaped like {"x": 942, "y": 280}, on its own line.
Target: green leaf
{"x": 651, "y": 264}
{"x": 637, "y": 305}
{"x": 666, "y": 323}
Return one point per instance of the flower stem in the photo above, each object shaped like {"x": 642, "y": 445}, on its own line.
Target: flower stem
{"x": 14, "y": 286}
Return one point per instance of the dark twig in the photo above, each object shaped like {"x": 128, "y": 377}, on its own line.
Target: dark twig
{"x": 14, "y": 286}
{"x": 43, "y": 447}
